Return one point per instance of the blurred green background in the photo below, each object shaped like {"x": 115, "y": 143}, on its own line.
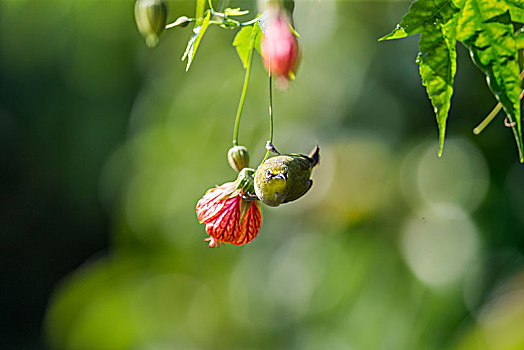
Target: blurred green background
{"x": 106, "y": 146}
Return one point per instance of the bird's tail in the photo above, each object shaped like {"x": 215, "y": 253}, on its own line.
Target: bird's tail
{"x": 314, "y": 156}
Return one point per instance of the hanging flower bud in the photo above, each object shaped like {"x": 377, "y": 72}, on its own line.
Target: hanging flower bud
{"x": 279, "y": 46}
{"x": 151, "y": 16}
{"x": 238, "y": 157}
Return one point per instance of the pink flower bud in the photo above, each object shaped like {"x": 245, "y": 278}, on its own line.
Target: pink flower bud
{"x": 279, "y": 46}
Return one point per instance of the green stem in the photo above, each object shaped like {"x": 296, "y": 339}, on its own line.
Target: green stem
{"x": 244, "y": 88}
{"x": 488, "y": 119}
{"x": 492, "y": 114}
{"x": 229, "y": 24}
{"x": 270, "y": 113}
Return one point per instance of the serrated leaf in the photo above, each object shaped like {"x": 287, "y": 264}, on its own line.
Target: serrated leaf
{"x": 435, "y": 21}
{"x": 424, "y": 15}
{"x": 194, "y": 41}
{"x": 235, "y": 12}
{"x": 516, "y": 10}
{"x": 485, "y": 29}
{"x": 397, "y": 33}
{"x": 243, "y": 40}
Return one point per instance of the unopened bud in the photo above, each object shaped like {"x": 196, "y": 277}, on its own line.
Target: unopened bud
{"x": 238, "y": 157}
{"x": 151, "y": 16}
{"x": 280, "y": 50}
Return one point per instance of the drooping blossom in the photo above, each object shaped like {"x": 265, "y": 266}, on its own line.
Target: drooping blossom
{"x": 279, "y": 46}
{"x": 228, "y": 216}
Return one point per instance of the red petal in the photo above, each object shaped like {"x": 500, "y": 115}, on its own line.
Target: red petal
{"x": 224, "y": 227}
{"x": 250, "y": 225}
{"x": 209, "y": 205}
{"x": 221, "y": 217}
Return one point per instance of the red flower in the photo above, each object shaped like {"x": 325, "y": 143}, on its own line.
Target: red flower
{"x": 228, "y": 217}
{"x": 279, "y": 47}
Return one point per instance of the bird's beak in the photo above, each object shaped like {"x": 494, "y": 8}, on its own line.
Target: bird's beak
{"x": 280, "y": 176}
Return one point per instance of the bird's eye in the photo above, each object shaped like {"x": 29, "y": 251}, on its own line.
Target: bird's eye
{"x": 269, "y": 175}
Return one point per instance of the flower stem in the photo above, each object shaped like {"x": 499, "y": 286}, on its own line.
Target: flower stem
{"x": 493, "y": 113}
{"x": 488, "y": 119}
{"x": 270, "y": 113}
{"x": 244, "y": 88}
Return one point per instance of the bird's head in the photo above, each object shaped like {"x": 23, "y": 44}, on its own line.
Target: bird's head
{"x": 271, "y": 179}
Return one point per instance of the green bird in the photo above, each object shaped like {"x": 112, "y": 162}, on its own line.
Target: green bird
{"x": 285, "y": 178}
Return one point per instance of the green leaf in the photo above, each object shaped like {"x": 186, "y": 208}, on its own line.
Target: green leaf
{"x": 519, "y": 36}
{"x": 485, "y": 29}
{"x": 258, "y": 37}
{"x": 199, "y": 12}
{"x": 423, "y": 16}
{"x": 435, "y": 21}
{"x": 516, "y": 10}
{"x": 194, "y": 41}
{"x": 242, "y": 41}
{"x": 235, "y": 12}
{"x": 397, "y": 33}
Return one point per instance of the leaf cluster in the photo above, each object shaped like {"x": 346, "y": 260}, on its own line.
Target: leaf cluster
{"x": 487, "y": 28}
{"x": 247, "y": 38}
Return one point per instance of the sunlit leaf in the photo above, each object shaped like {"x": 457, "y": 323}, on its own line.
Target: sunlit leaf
{"x": 520, "y": 39}
{"x": 435, "y": 21}
{"x": 243, "y": 39}
{"x": 235, "y": 12}
{"x": 199, "y": 12}
{"x": 516, "y": 10}
{"x": 194, "y": 41}
{"x": 241, "y": 43}
{"x": 485, "y": 29}
{"x": 258, "y": 38}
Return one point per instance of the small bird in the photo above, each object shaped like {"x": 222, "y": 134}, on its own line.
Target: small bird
{"x": 285, "y": 178}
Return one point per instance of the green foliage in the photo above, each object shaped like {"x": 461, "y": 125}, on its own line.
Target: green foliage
{"x": 520, "y": 39}
{"x": 516, "y": 9}
{"x": 437, "y": 56}
{"x": 235, "y": 12}
{"x": 485, "y": 28}
{"x": 245, "y": 39}
{"x": 199, "y": 11}
{"x": 192, "y": 45}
